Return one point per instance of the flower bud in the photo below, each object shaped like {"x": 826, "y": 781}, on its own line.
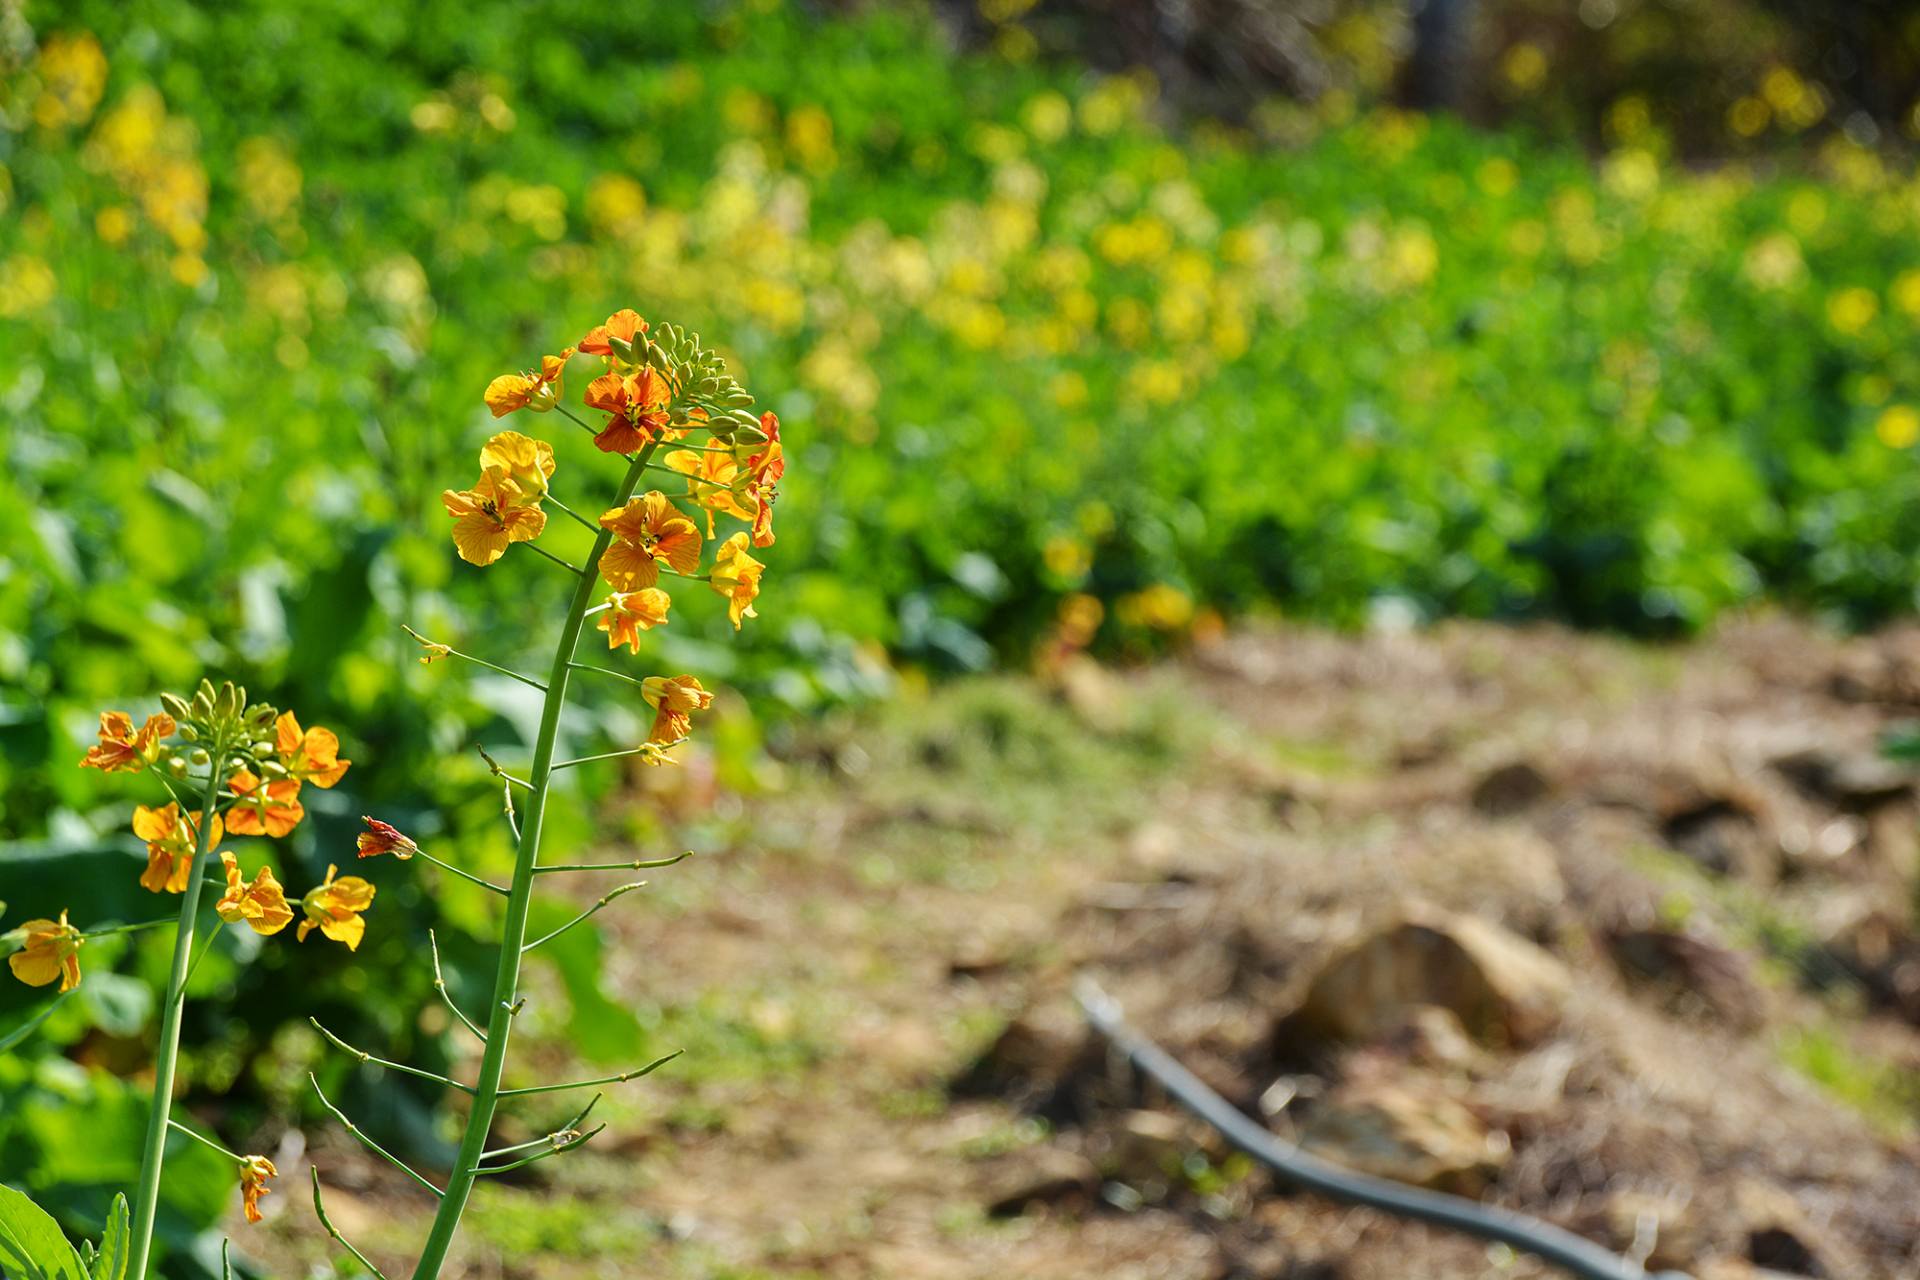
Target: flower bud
{"x": 272, "y": 769}
{"x": 176, "y": 706}
{"x": 189, "y": 734}
{"x": 200, "y": 758}
{"x": 623, "y": 349}
{"x": 177, "y": 766}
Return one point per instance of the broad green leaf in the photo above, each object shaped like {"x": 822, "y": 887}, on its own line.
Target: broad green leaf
{"x": 31, "y": 1246}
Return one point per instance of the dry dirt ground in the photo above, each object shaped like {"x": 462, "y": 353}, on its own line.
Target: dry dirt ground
{"x": 1692, "y": 1035}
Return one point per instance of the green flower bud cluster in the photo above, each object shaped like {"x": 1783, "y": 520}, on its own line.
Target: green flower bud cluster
{"x": 702, "y": 380}
{"x": 242, "y": 732}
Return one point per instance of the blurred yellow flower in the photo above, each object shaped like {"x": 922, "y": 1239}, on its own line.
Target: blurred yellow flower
{"x": 49, "y": 952}
{"x": 1524, "y": 67}
{"x": 1898, "y": 426}
{"x": 73, "y": 73}
{"x": 27, "y": 284}
{"x": 1160, "y": 607}
{"x": 1906, "y": 292}
{"x": 1851, "y": 310}
{"x": 269, "y": 179}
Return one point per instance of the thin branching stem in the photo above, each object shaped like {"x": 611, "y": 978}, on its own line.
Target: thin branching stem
{"x": 218, "y": 928}
{"x": 578, "y": 519}
{"x": 570, "y": 568}
{"x": 464, "y": 875}
{"x": 320, "y": 1212}
{"x": 564, "y": 1133}
{"x": 606, "y": 671}
{"x": 649, "y": 749}
{"x": 401, "y": 1067}
{"x": 204, "y": 1141}
{"x": 440, "y": 985}
{"x": 113, "y": 929}
{"x": 493, "y": 767}
{"x": 604, "y": 901}
{"x": 643, "y": 864}
{"x": 367, "y": 1142}
{"x": 579, "y": 1140}
{"x": 506, "y": 804}
{"x": 32, "y": 1024}
{"x": 478, "y": 662}
{"x": 649, "y": 1069}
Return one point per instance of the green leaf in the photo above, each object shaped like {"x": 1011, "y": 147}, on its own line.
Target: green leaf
{"x": 31, "y": 1246}
{"x": 115, "y": 1243}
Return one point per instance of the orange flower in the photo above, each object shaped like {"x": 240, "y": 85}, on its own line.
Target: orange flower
{"x": 51, "y": 951}
{"x": 490, "y": 516}
{"x": 736, "y": 575}
{"x": 647, "y": 530}
{"x": 254, "y": 1172}
{"x": 381, "y": 837}
{"x": 624, "y": 324}
{"x": 261, "y": 903}
{"x": 530, "y": 390}
{"x": 637, "y": 403}
{"x": 310, "y": 756}
{"x": 765, "y": 469}
{"x": 334, "y": 906}
{"x": 120, "y": 748}
{"x": 172, "y": 842}
{"x": 273, "y": 810}
{"x": 711, "y": 479}
{"x": 629, "y": 613}
{"x": 675, "y": 698}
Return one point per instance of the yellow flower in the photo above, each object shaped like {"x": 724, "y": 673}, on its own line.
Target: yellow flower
{"x": 736, "y": 575}
{"x": 490, "y": 516}
{"x": 51, "y": 952}
{"x": 536, "y": 390}
{"x": 312, "y": 755}
{"x": 649, "y": 529}
{"x": 637, "y": 405}
{"x": 273, "y": 810}
{"x": 629, "y": 613}
{"x": 172, "y": 842}
{"x": 527, "y": 462}
{"x": 675, "y": 698}
{"x": 254, "y": 1172}
{"x": 121, "y": 748}
{"x": 711, "y": 477}
{"x": 262, "y": 904}
{"x": 334, "y": 908}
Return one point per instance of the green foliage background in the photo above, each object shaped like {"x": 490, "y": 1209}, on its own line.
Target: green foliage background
{"x": 1029, "y": 342}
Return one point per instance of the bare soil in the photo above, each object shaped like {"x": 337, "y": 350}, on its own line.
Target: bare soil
{"x": 1704, "y": 836}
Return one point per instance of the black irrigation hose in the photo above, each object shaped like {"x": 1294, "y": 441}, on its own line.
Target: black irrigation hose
{"x": 1556, "y": 1245}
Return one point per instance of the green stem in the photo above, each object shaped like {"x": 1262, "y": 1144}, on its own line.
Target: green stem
{"x": 167, "y": 1057}
{"x": 204, "y": 1141}
{"x": 506, "y": 982}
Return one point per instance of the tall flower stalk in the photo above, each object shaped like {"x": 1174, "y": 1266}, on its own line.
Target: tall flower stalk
{"x": 664, "y": 395}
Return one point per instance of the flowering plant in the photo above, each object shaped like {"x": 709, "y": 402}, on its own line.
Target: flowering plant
{"x": 247, "y": 763}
